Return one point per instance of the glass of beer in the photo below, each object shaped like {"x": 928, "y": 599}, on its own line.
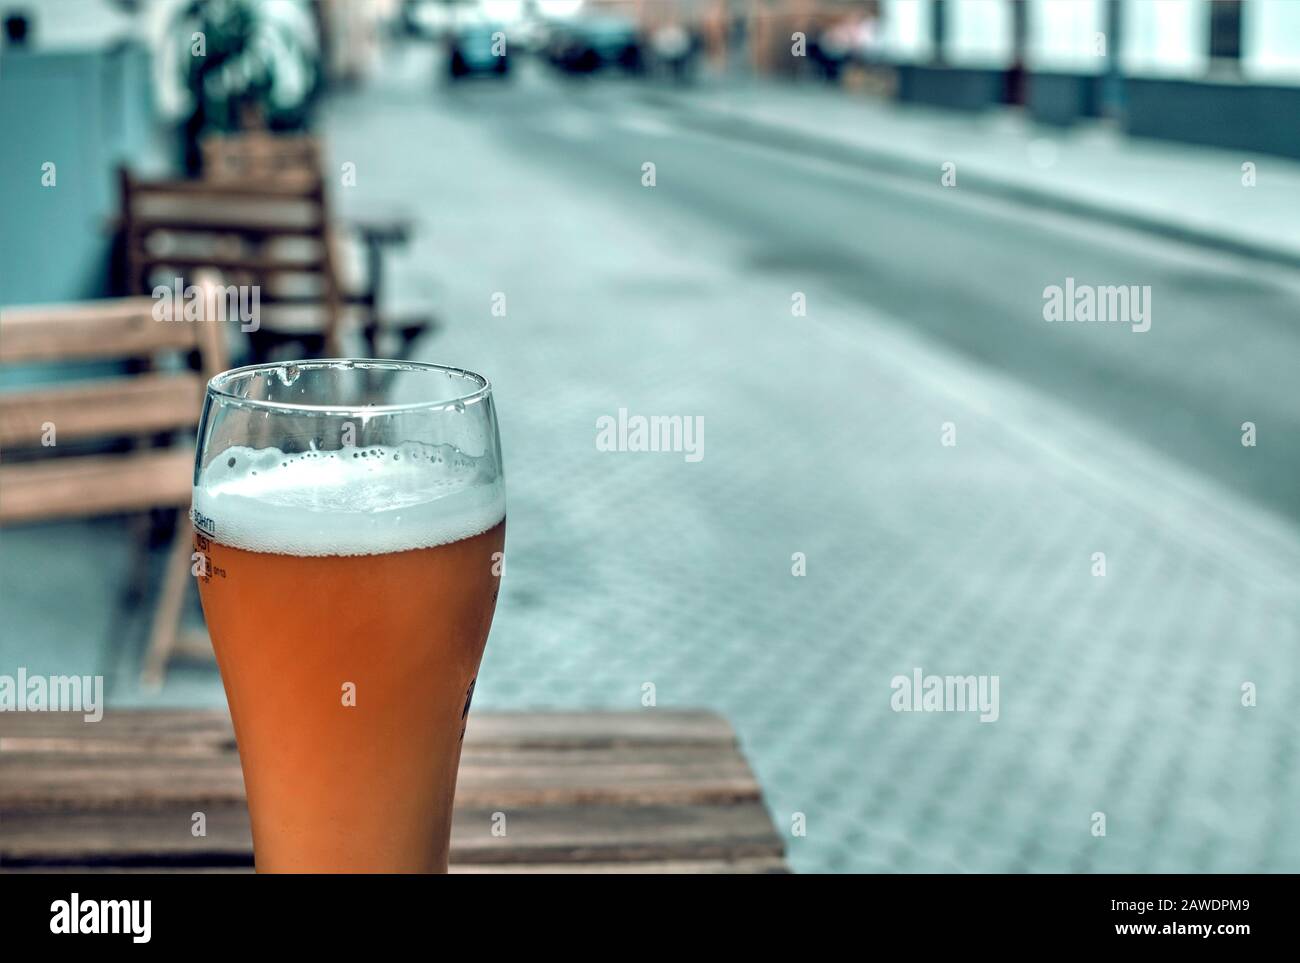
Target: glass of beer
{"x": 349, "y": 524}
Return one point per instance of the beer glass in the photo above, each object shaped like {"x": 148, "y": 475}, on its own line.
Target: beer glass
{"x": 349, "y": 523}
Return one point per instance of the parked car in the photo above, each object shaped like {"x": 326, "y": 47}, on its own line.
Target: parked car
{"x": 477, "y": 48}
{"x": 588, "y": 44}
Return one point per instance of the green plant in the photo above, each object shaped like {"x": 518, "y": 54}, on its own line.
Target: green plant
{"x": 246, "y": 64}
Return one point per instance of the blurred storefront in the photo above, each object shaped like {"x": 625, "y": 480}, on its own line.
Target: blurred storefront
{"x": 811, "y": 36}
{"x": 1215, "y": 72}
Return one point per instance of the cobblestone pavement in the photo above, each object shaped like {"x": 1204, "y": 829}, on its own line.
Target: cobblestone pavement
{"x": 1118, "y": 694}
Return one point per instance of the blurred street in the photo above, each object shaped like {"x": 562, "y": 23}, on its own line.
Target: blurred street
{"x": 958, "y": 266}
{"x": 1120, "y": 693}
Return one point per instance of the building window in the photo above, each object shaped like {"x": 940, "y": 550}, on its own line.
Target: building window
{"x": 1225, "y": 36}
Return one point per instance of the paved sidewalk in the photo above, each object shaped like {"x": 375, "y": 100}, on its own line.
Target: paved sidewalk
{"x": 1120, "y": 694}
{"x": 1183, "y": 191}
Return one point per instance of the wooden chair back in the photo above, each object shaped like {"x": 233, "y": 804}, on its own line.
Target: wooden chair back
{"x": 270, "y": 236}
{"x": 151, "y": 412}
{"x": 264, "y": 157}
{"x": 259, "y": 156}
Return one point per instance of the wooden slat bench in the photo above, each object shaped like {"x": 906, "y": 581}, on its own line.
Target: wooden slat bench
{"x": 145, "y": 416}
{"x": 652, "y": 791}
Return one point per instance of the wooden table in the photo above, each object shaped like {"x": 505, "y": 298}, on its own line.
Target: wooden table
{"x": 651, "y": 791}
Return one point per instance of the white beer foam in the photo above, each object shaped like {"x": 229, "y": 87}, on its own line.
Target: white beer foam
{"x": 356, "y": 501}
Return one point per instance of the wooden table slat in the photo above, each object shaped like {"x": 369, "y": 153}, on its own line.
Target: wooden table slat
{"x": 652, "y": 791}
{"x": 655, "y": 867}
{"x": 537, "y": 729}
{"x": 506, "y": 777}
{"x": 552, "y": 834}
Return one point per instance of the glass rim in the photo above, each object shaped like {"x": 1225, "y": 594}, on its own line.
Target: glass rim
{"x": 217, "y": 386}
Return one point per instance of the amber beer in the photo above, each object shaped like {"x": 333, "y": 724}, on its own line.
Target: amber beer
{"x": 349, "y": 642}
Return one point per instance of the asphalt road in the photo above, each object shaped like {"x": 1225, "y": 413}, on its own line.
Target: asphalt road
{"x": 1224, "y": 346}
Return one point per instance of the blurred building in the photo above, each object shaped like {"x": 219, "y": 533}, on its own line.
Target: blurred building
{"x": 1220, "y": 72}
{"x": 118, "y": 67}
{"x": 1216, "y": 72}
{"x": 73, "y": 60}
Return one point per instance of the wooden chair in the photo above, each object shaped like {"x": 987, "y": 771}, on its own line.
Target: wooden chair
{"x": 273, "y": 235}
{"x": 123, "y": 444}
{"x": 262, "y": 157}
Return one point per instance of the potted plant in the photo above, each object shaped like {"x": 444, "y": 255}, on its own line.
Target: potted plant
{"x": 245, "y": 65}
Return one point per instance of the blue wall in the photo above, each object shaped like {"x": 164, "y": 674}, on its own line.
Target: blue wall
{"x": 86, "y": 111}
{"x": 1240, "y": 116}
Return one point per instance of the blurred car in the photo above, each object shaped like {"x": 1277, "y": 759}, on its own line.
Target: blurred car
{"x": 472, "y": 49}
{"x": 588, "y": 44}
